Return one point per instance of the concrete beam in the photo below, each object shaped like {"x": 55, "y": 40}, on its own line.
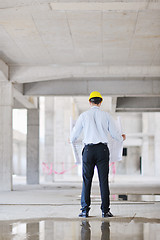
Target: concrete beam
{"x": 83, "y": 86}
{"x": 73, "y": 5}
{"x": 3, "y": 71}
{"x": 17, "y": 104}
{"x": 23, "y": 74}
{"x": 101, "y": 6}
{"x": 140, "y": 104}
{"x": 21, "y": 100}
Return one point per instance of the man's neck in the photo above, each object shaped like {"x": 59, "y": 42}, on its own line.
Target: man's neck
{"x": 95, "y": 105}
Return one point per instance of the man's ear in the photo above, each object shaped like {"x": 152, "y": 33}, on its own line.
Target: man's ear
{"x": 99, "y": 104}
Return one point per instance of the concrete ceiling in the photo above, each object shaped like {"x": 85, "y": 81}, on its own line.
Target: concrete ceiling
{"x": 46, "y": 32}
{"x": 50, "y": 40}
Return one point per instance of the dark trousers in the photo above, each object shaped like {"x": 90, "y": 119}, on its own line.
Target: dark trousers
{"x": 95, "y": 155}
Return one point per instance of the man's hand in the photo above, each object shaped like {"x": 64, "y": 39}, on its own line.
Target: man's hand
{"x": 124, "y": 136}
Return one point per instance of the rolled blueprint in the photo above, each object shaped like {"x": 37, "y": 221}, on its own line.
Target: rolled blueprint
{"x": 115, "y": 147}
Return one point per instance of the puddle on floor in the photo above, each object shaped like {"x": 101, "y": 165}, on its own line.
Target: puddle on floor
{"x": 127, "y": 198}
{"x": 80, "y": 229}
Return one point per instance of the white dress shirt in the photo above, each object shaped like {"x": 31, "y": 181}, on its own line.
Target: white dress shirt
{"x": 95, "y": 124}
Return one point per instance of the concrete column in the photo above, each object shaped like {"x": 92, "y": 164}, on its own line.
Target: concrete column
{"x": 6, "y": 101}
{"x": 75, "y": 112}
{"x": 49, "y": 136}
{"x": 157, "y": 144}
{"x": 33, "y": 231}
{"x": 147, "y": 144}
{"x": 49, "y": 230}
{"x": 63, "y": 159}
{"x": 145, "y": 155}
{"x": 33, "y": 146}
{"x": 5, "y": 230}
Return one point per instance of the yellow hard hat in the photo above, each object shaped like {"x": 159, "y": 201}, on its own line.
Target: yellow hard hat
{"x": 95, "y": 94}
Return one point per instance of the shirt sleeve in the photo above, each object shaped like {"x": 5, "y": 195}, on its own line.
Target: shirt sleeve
{"x": 113, "y": 130}
{"x": 76, "y": 130}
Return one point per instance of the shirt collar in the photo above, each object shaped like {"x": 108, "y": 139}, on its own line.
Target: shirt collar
{"x": 95, "y": 107}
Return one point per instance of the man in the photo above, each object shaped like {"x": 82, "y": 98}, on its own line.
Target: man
{"x": 95, "y": 124}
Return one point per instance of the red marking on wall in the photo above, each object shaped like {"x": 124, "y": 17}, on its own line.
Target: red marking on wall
{"x": 49, "y": 169}
{"x": 113, "y": 167}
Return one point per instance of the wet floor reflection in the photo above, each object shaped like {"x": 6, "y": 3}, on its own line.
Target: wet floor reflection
{"x": 86, "y": 231}
{"x": 79, "y": 229}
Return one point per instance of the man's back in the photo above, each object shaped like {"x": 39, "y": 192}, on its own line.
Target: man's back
{"x": 95, "y": 125}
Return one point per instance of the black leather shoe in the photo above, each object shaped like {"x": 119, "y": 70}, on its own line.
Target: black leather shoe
{"x": 83, "y": 214}
{"x": 106, "y": 215}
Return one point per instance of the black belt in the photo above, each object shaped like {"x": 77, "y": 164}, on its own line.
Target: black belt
{"x": 93, "y": 144}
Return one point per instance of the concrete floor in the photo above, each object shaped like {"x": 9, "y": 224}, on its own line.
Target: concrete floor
{"x": 43, "y": 211}
{"x": 62, "y": 200}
